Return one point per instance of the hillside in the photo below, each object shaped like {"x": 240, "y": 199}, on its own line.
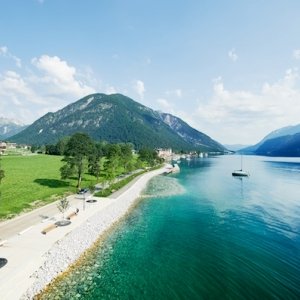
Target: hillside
{"x": 116, "y": 118}
{"x": 189, "y": 134}
{"x": 281, "y": 132}
{"x": 288, "y": 145}
{"x": 9, "y": 128}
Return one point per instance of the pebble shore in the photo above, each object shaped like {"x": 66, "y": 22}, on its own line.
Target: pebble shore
{"x": 67, "y": 250}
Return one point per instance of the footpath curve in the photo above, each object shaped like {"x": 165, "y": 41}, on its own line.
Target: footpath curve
{"x": 27, "y": 252}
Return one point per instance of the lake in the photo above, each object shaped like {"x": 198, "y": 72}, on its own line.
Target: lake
{"x": 201, "y": 234}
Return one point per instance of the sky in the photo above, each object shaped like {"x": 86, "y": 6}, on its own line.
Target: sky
{"x": 229, "y": 68}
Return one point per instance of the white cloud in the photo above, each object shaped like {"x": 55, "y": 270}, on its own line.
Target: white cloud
{"x": 176, "y": 92}
{"x": 110, "y": 90}
{"x": 47, "y": 86}
{"x": 164, "y": 104}
{"x": 296, "y": 54}
{"x": 232, "y": 55}
{"x": 244, "y": 116}
{"x": 14, "y": 86}
{"x": 58, "y": 77}
{"x": 5, "y": 53}
{"x": 139, "y": 88}
{"x": 3, "y": 50}
{"x": 20, "y": 99}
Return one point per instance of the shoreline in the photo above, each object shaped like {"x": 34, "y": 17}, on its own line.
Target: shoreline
{"x": 67, "y": 250}
{"x": 97, "y": 243}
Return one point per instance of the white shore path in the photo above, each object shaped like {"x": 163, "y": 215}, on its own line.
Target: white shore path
{"x": 34, "y": 259}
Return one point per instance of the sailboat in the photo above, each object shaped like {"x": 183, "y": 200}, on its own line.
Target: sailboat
{"x": 240, "y": 172}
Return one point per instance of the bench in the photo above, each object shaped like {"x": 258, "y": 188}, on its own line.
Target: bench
{"x": 71, "y": 215}
{"x": 2, "y": 243}
{"x": 49, "y": 228}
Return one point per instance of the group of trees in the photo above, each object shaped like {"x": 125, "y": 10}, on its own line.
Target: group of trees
{"x": 2, "y": 175}
{"x": 82, "y": 154}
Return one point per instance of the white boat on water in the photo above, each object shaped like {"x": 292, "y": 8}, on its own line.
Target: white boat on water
{"x": 241, "y": 172}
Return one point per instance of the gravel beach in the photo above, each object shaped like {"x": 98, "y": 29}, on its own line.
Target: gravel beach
{"x": 68, "y": 249}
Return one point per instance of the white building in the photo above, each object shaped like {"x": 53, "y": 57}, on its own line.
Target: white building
{"x": 166, "y": 154}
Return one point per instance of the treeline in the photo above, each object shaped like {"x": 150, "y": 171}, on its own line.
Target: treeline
{"x": 100, "y": 159}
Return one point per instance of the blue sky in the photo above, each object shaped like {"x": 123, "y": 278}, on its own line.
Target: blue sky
{"x": 228, "y": 68}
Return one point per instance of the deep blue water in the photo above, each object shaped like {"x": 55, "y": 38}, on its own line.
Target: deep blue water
{"x": 202, "y": 234}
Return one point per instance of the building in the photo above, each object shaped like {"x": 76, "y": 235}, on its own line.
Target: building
{"x": 11, "y": 145}
{"x": 3, "y": 147}
{"x": 166, "y": 154}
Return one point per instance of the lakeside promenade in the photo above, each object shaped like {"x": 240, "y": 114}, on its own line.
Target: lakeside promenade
{"x": 26, "y": 250}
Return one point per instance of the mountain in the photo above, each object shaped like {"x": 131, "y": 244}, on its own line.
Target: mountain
{"x": 9, "y": 128}
{"x": 235, "y": 147}
{"x": 117, "y": 118}
{"x": 189, "y": 134}
{"x": 281, "y": 132}
{"x": 288, "y": 145}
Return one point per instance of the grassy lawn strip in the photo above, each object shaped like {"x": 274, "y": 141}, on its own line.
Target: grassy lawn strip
{"x": 32, "y": 181}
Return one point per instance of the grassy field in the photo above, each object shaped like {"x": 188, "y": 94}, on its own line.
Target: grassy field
{"x": 32, "y": 181}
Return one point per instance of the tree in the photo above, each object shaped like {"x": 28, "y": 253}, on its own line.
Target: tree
{"x": 63, "y": 205}
{"x": 149, "y": 156}
{"x": 33, "y": 148}
{"x": 51, "y": 150}
{"x": 126, "y": 156}
{"x": 95, "y": 160}
{"x": 111, "y": 167}
{"x": 61, "y": 145}
{"x": 78, "y": 149}
{"x": 92, "y": 188}
{"x": 113, "y": 155}
{"x": 2, "y": 175}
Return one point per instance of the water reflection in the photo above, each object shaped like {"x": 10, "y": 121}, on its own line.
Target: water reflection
{"x": 284, "y": 166}
{"x": 241, "y": 182}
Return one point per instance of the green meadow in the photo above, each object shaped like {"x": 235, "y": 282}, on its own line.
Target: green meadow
{"x": 32, "y": 181}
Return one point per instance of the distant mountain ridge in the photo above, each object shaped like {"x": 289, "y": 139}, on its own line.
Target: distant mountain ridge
{"x": 9, "y": 127}
{"x": 117, "y": 118}
{"x": 288, "y": 145}
{"x": 281, "y": 142}
{"x": 235, "y": 147}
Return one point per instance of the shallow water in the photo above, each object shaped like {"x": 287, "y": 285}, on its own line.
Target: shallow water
{"x": 202, "y": 235}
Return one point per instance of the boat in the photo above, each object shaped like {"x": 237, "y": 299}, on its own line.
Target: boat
{"x": 240, "y": 172}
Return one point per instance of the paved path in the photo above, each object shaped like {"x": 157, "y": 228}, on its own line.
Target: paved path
{"x": 24, "y": 251}
{"x": 16, "y": 225}
{"x": 23, "y": 222}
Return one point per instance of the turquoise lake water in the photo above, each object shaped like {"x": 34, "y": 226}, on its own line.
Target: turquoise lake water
{"x": 202, "y": 234}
